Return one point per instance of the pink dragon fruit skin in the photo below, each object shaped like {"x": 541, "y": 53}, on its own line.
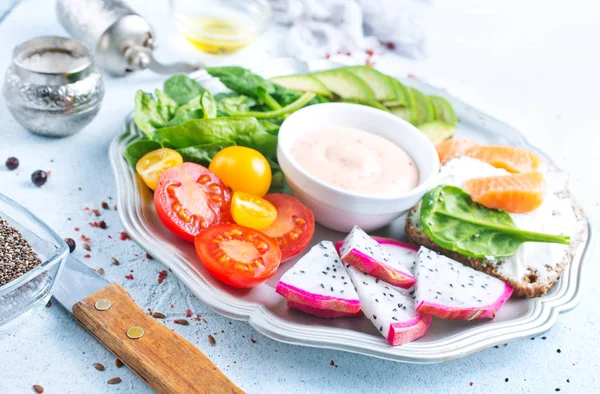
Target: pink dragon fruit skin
{"x": 319, "y": 284}
{"x": 391, "y": 311}
{"x": 365, "y": 253}
{"x": 450, "y": 290}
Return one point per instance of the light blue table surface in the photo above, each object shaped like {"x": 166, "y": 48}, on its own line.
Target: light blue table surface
{"x": 533, "y": 65}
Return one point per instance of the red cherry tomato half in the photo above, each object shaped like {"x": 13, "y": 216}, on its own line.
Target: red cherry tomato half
{"x": 236, "y": 255}
{"x": 294, "y": 226}
{"x": 189, "y": 198}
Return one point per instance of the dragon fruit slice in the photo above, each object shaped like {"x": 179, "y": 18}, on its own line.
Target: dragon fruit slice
{"x": 366, "y": 254}
{"x": 450, "y": 290}
{"x": 391, "y": 311}
{"x": 324, "y": 313}
{"x": 319, "y": 284}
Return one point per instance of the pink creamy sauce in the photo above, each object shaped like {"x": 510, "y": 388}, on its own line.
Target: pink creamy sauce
{"x": 356, "y": 160}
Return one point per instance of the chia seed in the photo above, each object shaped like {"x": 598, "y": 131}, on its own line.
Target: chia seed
{"x": 17, "y": 257}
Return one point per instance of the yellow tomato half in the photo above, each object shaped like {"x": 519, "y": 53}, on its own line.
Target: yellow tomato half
{"x": 242, "y": 169}
{"x": 151, "y": 166}
{"x": 252, "y": 211}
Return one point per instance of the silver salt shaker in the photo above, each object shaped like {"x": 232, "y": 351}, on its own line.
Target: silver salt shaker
{"x": 121, "y": 39}
{"x": 52, "y": 86}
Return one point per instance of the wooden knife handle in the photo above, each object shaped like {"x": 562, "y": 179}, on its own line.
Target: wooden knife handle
{"x": 163, "y": 359}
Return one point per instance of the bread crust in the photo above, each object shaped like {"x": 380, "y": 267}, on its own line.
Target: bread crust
{"x": 527, "y": 287}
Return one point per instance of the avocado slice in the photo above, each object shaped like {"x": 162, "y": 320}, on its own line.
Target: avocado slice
{"x": 377, "y": 81}
{"x": 402, "y": 112}
{"x": 437, "y": 131}
{"x": 303, "y": 83}
{"x": 400, "y": 92}
{"x": 369, "y": 103}
{"x": 424, "y": 108}
{"x": 444, "y": 110}
{"x": 344, "y": 84}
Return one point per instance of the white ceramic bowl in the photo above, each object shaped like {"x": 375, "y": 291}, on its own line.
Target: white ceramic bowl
{"x": 339, "y": 209}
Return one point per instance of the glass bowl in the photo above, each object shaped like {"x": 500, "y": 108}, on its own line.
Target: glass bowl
{"x": 34, "y": 288}
{"x": 221, "y": 26}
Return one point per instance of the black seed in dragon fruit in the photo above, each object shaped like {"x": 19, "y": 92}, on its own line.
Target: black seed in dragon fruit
{"x": 368, "y": 255}
{"x": 450, "y": 290}
{"x": 390, "y": 309}
{"x": 318, "y": 284}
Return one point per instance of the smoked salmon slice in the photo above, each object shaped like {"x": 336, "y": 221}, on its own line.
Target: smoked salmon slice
{"x": 515, "y": 193}
{"x": 515, "y": 160}
{"x": 454, "y": 147}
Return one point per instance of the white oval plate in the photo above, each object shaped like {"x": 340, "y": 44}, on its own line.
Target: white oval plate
{"x": 267, "y": 312}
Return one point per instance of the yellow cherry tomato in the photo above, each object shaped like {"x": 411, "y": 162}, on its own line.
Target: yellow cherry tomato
{"x": 252, "y": 211}
{"x": 242, "y": 169}
{"x": 151, "y": 166}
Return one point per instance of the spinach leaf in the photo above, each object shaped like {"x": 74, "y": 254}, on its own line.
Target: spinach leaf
{"x": 182, "y": 88}
{"x": 455, "y": 222}
{"x": 150, "y": 113}
{"x": 209, "y": 105}
{"x": 203, "y": 154}
{"x": 135, "y": 150}
{"x": 288, "y": 109}
{"x": 235, "y": 104}
{"x": 277, "y": 179}
{"x": 243, "y": 131}
{"x": 269, "y": 126}
{"x": 241, "y": 80}
{"x": 192, "y": 110}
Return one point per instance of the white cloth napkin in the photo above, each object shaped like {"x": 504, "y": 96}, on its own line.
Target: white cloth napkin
{"x": 322, "y": 27}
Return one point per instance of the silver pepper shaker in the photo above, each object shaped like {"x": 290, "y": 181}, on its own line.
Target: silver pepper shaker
{"x": 121, "y": 39}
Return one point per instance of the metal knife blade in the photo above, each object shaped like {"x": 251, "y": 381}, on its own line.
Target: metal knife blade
{"x": 77, "y": 281}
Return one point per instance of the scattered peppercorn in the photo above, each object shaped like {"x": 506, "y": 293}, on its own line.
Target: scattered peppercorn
{"x": 544, "y": 338}
{"x": 99, "y": 366}
{"x": 12, "y": 163}
{"x": 102, "y": 224}
{"x": 71, "y": 243}
{"x": 557, "y": 389}
{"x": 105, "y": 205}
{"x": 158, "y": 315}
{"x": 211, "y": 340}
{"x": 118, "y": 363}
{"x": 506, "y": 380}
{"x": 114, "y": 261}
{"x": 568, "y": 380}
{"x": 39, "y": 177}
{"x": 38, "y": 389}
{"x": 161, "y": 276}
{"x": 557, "y": 350}
{"x": 470, "y": 383}
{"x": 114, "y": 381}
{"x": 182, "y": 322}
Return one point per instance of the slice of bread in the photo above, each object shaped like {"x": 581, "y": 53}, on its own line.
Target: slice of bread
{"x": 531, "y": 284}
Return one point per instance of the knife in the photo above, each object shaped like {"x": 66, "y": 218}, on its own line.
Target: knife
{"x": 163, "y": 359}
